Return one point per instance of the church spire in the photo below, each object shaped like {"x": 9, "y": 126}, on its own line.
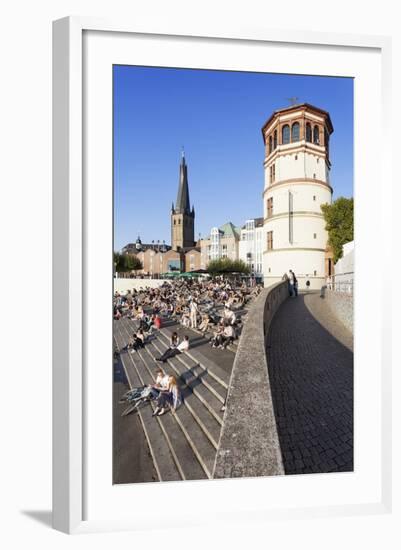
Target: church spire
{"x": 182, "y": 204}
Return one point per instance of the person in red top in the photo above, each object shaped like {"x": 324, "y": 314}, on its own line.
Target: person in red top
{"x": 157, "y": 322}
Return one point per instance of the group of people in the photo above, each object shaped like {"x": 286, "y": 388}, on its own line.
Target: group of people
{"x": 192, "y": 304}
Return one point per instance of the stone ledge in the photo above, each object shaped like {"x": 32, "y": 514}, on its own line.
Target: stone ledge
{"x": 341, "y": 305}
{"x": 249, "y": 444}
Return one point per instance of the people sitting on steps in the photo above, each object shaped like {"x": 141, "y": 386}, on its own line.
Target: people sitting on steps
{"x": 161, "y": 383}
{"x": 172, "y": 352}
{"x": 138, "y": 341}
{"x": 168, "y": 397}
{"x": 204, "y": 325}
{"x": 224, "y": 336}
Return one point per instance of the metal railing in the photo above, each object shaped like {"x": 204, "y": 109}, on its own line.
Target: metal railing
{"x": 342, "y": 282}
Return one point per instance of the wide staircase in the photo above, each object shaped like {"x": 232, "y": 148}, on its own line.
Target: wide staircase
{"x": 182, "y": 445}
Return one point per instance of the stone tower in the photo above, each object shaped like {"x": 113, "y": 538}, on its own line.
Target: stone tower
{"x": 182, "y": 217}
{"x": 297, "y": 183}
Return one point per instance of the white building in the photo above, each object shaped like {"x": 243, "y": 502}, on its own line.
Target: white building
{"x": 251, "y": 245}
{"x": 221, "y": 243}
{"x": 297, "y": 183}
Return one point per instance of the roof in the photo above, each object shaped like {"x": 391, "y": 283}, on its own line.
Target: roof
{"x": 229, "y": 230}
{"x": 186, "y": 249}
{"x": 306, "y": 106}
{"x": 258, "y": 222}
{"x": 153, "y": 246}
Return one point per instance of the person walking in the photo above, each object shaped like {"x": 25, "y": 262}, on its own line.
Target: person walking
{"x": 293, "y": 283}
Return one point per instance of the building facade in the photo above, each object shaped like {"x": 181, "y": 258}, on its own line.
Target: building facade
{"x": 297, "y": 183}
{"x": 251, "y": 243}
{"x": 223, "y": 242}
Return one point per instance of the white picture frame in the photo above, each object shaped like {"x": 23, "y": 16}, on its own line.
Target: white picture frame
{"x": 71, "y": 224}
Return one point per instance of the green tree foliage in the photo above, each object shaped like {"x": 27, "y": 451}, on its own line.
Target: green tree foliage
{"x": 126, "y": 262}
{"x": 225, "y": 265}
{"x": 339, "y": 217}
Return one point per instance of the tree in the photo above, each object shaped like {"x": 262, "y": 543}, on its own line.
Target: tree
{"x": 132, "y": 262}
{"x": 126, "y": 262}
{"x": 339, "y": 217}
{"x": 225, "y": 265}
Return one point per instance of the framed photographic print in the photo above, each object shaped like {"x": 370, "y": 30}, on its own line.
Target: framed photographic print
{"x": 213, "y": 194}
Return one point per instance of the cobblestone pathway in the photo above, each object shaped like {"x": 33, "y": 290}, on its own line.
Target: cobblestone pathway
{"x": 310, "y": 361}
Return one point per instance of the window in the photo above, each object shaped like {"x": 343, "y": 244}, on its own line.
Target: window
{"x": 270, "y": 207}
{"x": 316, "y": 135}
{"x": 174, "y": 222}
{"x": 314, "y": 235}
{"x": 296, "y": 157}
{"x": 285, "y": 134}
{"x": 272, "y": 173}
{"x": 269, "y": 270}
{"x": 275, "y": 139}
{"x": 317, "y": 160}
{"x": 295, "y": 131}
{"x": 270, "y": 240}
{"x": 179, "y": 222}
{"x": 270, "y": 145}
{"x": 314, "y": 176}
{"x": 308, "y": 132}
{"x": 314, "y": 197}
{"x": 315, "y": 273}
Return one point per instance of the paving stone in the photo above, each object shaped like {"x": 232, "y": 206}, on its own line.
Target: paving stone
{"x": 310, "y": 363}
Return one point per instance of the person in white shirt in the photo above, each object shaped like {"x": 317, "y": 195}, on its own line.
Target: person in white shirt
{"x": 193, "y": 312}
{"x": 227, "y": 337}
{"x": 172, "y": 352}
{"x": 229, "y": 316}
{"x": 161, "y": 383}
{"x": 170, "y": 396}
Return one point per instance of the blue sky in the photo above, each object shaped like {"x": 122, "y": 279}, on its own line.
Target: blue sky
{"x": 217, "y": 117}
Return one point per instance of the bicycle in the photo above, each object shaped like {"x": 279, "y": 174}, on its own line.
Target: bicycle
{"x": 136, "y": 397}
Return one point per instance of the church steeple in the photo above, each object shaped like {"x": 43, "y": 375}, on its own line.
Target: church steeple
{"x": 182, "y": 204}
{"x": 182, "y": 217}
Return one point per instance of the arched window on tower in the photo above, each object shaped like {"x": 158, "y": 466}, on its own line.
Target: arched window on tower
{"x": 285, "y": 134}
{"x": 295, "y": 131}
{"x": 308, "y": 132}
{"x": 275, "y": 139}
{"x": 270, "y": 144}
{"x": 316, "y": 135}
{"x": 326, "y": 139}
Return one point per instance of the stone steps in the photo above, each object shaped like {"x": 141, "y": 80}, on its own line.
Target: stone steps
{"x": 209, "y": 400}
{"x": 206, "y": 421}
{"x": 188, "y": 465}
{"x": 200, "y": 428}
{"x": 212, "y": 369}
{"x": 198, "y": 420}
{"x": 213, "y": 385}
{"x": 164, "y": 461}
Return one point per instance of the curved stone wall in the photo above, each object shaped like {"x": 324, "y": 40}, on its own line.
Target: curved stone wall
{"x": 249, "y": 444}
